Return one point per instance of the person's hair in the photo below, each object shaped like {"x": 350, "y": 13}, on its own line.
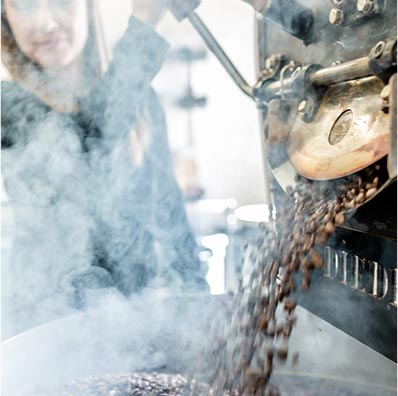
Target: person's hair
{"x": 30, "y": 74}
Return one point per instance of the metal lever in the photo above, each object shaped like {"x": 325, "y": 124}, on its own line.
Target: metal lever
{"x": 217, "y": 50}
{"x": 182, "y": 9}
{"x": 381, "y": 59}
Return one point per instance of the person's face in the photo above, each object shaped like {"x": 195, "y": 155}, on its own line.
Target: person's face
{"x": 52, "y": 33}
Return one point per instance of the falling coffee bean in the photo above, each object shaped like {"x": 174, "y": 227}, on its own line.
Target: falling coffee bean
{"x": 290, "y": 304}
{"x": 282, "y": 352}
{"x": 295, "y": 358}
{"x": 330, "y": 228}
{"x": 317, "y": 259}
{"x": 370, "y": 192}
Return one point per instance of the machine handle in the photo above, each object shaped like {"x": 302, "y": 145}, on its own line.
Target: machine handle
{"x": 182, "y": 9}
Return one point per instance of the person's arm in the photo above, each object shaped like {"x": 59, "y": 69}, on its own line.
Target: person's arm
{"x": 116, "y": 102}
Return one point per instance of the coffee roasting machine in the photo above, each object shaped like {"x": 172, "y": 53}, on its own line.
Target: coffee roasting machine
{"x": 326, "y": 93}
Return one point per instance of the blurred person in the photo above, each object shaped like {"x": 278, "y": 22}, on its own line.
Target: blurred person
{"x": 86, "y": 165}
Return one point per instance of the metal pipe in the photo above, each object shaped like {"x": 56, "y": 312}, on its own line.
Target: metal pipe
{"x": 216, "y": 49}
{"x": 260, "y": 64}
{"x": 274, "y": 89}
{"x": 347, "y": 71}
{"x": 352, "y": 70}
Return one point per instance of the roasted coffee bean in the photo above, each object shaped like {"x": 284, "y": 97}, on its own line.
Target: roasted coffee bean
{"x": 309, "y": 243}
{"x": 317, "y": 259}
{"x": 283, "y": 292}
{"x": 263, "y": 323}
{"x": 287, "y": 331}
{"x": 321, "y": 238}
{"x": 275, "y": 269}
{"x": 264, "y": 301}
{"x": 339, "y": 219}
{"x": 370, "y": 192}
{"x": 269, "y": 360}
{"x": 311, "y": 227}
{"x": 338, "y": 207}
{"x": 290, "y": 304}
{"x": 295, "y": 358}
{"x": 294, "y": 265}
{"x": 327, "y": 218}
{"x": 292, "y": 284}
{"x": 271, "y": 330}
{"x": 306, "y": 281}
{"x": 307, "y": 265}
{"x": 360, "y": 198}
{"x": 279, "y": 329}
{"x": 282, "y": 352}
{"x": 350, "y": 205}
{"x": 330, "y": 228}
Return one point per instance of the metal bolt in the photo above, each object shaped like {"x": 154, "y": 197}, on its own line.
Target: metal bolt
{"x": 302, "y": 106}
{"x": 336, "y": 16}
{"x": 269, "y": 63}
{"x": 379, "y": 49}
{"x": 365, "y": 6}
{"x": 339, "y": 3}
{"x": 305, "y": 107}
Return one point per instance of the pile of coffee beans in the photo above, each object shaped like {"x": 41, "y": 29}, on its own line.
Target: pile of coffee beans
{"x": 138, "y": 384}
{"x": 263, "y": 314}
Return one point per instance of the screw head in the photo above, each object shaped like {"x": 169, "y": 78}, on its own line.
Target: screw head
{"x": 364, "y": 6}
{"x": 270, "y": 63}
{"x": 338, "y": 3}
{"x": 305, "y": 106}
{"x": 302, "y": 106}
{"x": 336, "y": 16}
{"x": 379, "y": 48}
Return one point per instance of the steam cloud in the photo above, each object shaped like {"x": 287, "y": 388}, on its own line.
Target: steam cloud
{"x": 73, "y": 207}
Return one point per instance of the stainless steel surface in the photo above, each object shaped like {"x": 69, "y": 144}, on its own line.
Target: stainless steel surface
{"x": 346, "y": 71}
{"x": 326, "y": 76}
{"x": 327, "y": 148}
{"x": 81, "y": 345}
{"x": 352, "y": 271}
{"x": 325, "y": 350}
{"x": 292, "y": 17}
{"x": 117, "y": 336}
